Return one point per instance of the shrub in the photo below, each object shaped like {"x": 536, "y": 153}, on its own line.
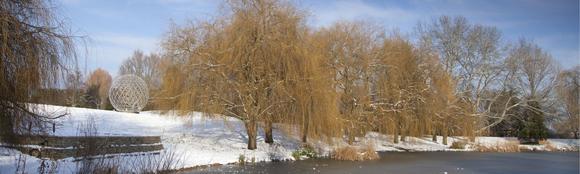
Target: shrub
{"x": 345, "y": 153}
{"x": 369, "y": 153}
{"x": 351, "y": 153}
{"x": 242, "y": 159}
{"x": 305, "y": 151}
{"x": 458, "y": 145}
{"x": 510, "y": 146}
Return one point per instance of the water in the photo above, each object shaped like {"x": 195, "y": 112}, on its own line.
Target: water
{"x": 423, "y": 162}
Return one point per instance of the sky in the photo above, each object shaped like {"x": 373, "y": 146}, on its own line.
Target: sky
{"x": 115, "y": 28}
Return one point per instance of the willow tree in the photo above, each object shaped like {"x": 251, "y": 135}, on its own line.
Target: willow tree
{"x": 315, "y": 109}
{"x": 246, "y": 64}
{"x": 35, "y": 47}
{"x": 349, "y": 48}
{"x": 400, "y": 89}
{"x": 442, "y": 101}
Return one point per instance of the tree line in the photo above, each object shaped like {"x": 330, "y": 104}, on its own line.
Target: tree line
{"x": 260, "y": 62}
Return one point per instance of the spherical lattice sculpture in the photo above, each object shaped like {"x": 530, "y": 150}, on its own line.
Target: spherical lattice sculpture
{"x": 129, "y": 93}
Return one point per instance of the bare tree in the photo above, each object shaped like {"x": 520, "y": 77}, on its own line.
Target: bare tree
{"x": 74, "y": 86}
{"x": 472, "y": 55}
{"x": 100, "y": 80}
{"x": 144, "y": 66}
{"x": 35, "y": 47}
{"x": 531, "y": 70}
{"x": 568, "y": 90}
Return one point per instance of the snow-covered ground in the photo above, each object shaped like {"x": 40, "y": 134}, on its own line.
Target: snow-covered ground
{"x": 195, "y": 140}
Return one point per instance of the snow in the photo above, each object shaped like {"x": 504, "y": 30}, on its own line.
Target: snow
{"x": 195, "y": 140}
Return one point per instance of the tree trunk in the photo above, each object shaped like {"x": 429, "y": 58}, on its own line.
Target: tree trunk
{"x": 396, "y": 135}
{"x": 7, "y": 134}
{"x": 305, "y": 132}
{"x": 403, "y": 135}
{"x": 102, "y": 105}
{"x": 251, "y": 131}
{"x": 434, "y": 137}
{"x": 268, "y": 131}
{"x": 350, "y": 135}
{"x": 305, "y": 125}
{"x": 444, "y": 136}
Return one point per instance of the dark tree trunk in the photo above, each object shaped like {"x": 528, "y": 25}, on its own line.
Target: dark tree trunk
{"x": 350, "y": 135}
{"x": 305, "y": 120}
{"x": 305, "y": 131}
{"x": 444, "y": 136}
{"x": 251, "y": 131}
{"x": 396, "y": 135}
{"x": 6, "y": 129}
{"x": 434, "y": 137}
{"x": 403, "y": 135}
{"x": 268, "y": 131}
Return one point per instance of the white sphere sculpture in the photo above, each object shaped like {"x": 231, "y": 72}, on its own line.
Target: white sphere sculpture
{"x": 129, "y": 93}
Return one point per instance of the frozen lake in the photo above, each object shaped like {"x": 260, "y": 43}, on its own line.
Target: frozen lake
{"x": 423, "y": 162}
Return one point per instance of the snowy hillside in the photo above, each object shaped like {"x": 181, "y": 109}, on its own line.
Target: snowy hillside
{"x": 196, "y": 140}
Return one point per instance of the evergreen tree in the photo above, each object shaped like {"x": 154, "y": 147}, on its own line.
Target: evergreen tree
{"x": 511, "y": 125}
{"x": 533, "y": 129}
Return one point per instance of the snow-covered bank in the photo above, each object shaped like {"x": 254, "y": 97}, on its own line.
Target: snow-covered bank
{"x": 195, "y": 140}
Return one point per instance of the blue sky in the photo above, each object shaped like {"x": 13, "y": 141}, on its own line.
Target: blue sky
{"x": 118, "y": 27}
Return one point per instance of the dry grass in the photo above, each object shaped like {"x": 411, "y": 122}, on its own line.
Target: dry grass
{"x": 351, "y": 153}
{"x": 345, "y": 153}
{"x": 368, "y": 152}
{"x": 509, "y": 146}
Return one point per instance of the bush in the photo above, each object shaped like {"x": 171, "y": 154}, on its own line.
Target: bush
{"x": 510, "y": 146}
{"x": 345, "y": 153}
{"x": 351, "y": 153}
{"x": 458, "y": 145}
{"x": 306, "y": 151}
{"x": 242, "y": 159}
{"x": 369, "y": 153}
